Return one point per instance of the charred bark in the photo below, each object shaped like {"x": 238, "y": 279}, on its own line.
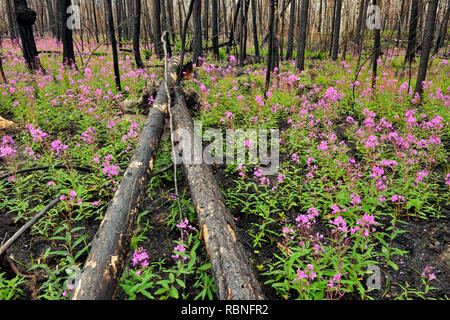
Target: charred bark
{"x": 26, "y": 18}
{"x": 430, "y": 24}
{"x": 104, "y": 265}
{"x": 234, "y": 277}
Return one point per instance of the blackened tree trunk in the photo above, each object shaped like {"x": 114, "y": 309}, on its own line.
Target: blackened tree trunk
{"x": 205, "y": 20}
{"x": 136, "y": 35}
{"x": 359, "y": 23}
{"x": 52, "y": 21}
{"x": 171, "y": 20}
{"x": 290, "y": 44}
{"x": 427, "y": 43}
{"x": 233, "y": 25}
{"x": 119, "y": 21}
{"x": 112, "y": 38}
{"x": 94, "y": 11}
{"x": 215, "y": 29}
{"x": 11, "y": 25}
{"x": 26, "y": 18}
{"x": 255, "y": 29}
{"x": 376, "y": 52}
{"x": 197, "y": 16}
{"x": 400, "y": 22}
{"x": 301, "y": 43}
{"x": 242, "y": 38}
{"x": 157, "y": 28}
{"x": 270, "y": 65}
{"x": 412, "y": 38}
{"x": 443, "y": 30}
{"x": 336, "y": 30}
{"x": 67, "y": 40}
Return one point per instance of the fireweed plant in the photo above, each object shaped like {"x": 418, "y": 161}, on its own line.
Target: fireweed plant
{"x": 354, "y": 169}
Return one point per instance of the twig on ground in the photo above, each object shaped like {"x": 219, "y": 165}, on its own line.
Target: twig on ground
{"x": 28, "y": 225}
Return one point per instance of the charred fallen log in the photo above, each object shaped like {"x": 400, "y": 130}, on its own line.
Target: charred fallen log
{"x": 104, "y": 265}
{"x": 234, "y": 277}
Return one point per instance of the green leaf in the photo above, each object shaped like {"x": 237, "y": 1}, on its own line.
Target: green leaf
{"x": 181, "y": 283}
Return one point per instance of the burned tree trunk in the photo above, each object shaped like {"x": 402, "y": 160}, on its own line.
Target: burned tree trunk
{"x": 94, "y": 11}
{"x": 67, "y": 40}
{"x": 215, "y": 29}
{"x": 197, "y": 16}
{"x": 376, "y": 52}
{"x": 443, "y": 30}
{"x": 156, "y": 8}
{"x": 427, "y": 43}
{"x": 12, "y": 27}
{"x": 270, "y": 65}
{"x": 290, "y": 44}
{"x": 301, "y": 43}
{"x": 234, "y": 277}
{"x": 112, "y": 38}
{"x": 412, "y": 38}
{"x": 104, "y": 265}
{"x": 136, "y": 35}
{"x": 357, "y": 38}
{"x": 255, "y": 29}
{"x": 26, "y": 18}
{"x": 336, "y": 30}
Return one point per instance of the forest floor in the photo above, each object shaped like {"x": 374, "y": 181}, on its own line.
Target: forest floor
{"x": 363, "y": 182}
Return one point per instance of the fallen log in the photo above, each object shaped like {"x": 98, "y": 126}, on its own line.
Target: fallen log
{"x": 234, "y": 277}
{"x": 104, "y": 265}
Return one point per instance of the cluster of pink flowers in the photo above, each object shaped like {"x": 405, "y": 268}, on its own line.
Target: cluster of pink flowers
{"x": 57, "y": 146}
{"x": 427, "y": 274}
{"x": 6, "y": 149}
{"x": 89, "y": 135}
{"x": 185, "y": 226}
{"x": 36, "y": 133}
{"x": 306, "y": 220}
{"x": 139, "y": 258}
{"x": 179, "y": 249}
{"x": 307, "y": 274}
{"x": 365, "y": 225}
{"x": 72, "y": 197}
{"x": 109, "y": 168}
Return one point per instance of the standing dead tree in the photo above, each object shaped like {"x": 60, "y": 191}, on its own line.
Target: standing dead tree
{"x": 112, "y": 37}
{"x": 26, "y": 18}
{"x": 427, "y": 43}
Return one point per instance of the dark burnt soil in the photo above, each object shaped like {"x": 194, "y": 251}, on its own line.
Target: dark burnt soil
{"x": 426, "y": 241}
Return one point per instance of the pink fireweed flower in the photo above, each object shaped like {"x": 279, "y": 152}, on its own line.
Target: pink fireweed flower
{"x": 365, "y": 225}
{"x": 57, "y": 146}
{"x": 355, "y": 199}
{"x": 36, "y": 133}
{"x": 427, "y": 273}
{"x": 88, "y": 136}
{"x": 6, "y": 151}
{"x": 323, "y": 145}
{"x": 307, "y": 274}
{"x": 140, "y": 257}
{"x": 341, "y": 225}
{"x": 371, "y": 142}
{"x": 179, "y": 249}
{"x": 295, "y": 158}
{"x": 397, "y": 198}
